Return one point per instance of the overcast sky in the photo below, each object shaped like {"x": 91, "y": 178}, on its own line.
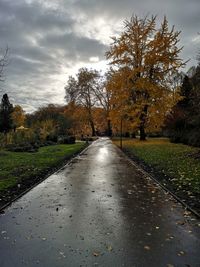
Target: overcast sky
{"x": 51, "y": 39}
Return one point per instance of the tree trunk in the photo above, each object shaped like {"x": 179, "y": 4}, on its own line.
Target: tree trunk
{"x": 92, "y": 128}
{"x": 91, "y": 122}
{"x": 133, "y": 135}
{"x": 142, "y": 123}
{"x": 109, "y": 128}
{"x": 142, "y": 133}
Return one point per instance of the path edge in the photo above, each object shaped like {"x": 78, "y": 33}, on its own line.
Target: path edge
{"x": 68, "y": 162}
{"x": 135, "y": 164}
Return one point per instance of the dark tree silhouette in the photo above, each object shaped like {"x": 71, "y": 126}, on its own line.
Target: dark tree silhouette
{"x": 6, "y": 109}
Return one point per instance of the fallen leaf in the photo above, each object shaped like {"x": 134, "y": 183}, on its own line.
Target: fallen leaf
{"x": 109, "y": 248}
{"x": 62, "y": 254}
{"x": 187, "y": 213}
{"x": 96, "y": 254}
{"x": 181, "y": 253}
{"x": 3, "y": 232}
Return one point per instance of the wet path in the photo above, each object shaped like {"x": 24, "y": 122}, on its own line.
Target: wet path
{"x": 98, "y": 211}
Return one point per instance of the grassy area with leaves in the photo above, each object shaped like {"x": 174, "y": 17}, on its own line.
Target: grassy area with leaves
{"x": 178, "y": 164}
{"x": 16, "y": 167}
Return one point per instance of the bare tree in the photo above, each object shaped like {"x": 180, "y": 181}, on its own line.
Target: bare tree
{"x": 81, "y": 91}
{"x": 103, "y": 95}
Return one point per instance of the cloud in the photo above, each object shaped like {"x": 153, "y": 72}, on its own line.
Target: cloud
{"x": 50, "y": 40}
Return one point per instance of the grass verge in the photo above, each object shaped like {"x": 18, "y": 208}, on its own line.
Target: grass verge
{"x": 177, "y": 166}
{"x": 21, "y": 170}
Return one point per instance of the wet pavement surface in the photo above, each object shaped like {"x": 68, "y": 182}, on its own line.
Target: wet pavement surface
{"x": 99, "y": 210}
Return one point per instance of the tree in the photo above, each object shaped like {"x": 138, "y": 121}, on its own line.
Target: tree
{"x": 148, "y": 58}
{"x": 176, "y": 120}
{"x": 120, "y": 112}
{"x": 50, "y": 115}
{"x": 81, "y": 91}
{"x": 194, "y": 107}
{"x": 79, "y": 121}
{"x": 183, "y": 122}
{"x": 6, "y": 109}
{"x": 18, "y": 116}
{"x": 103, "y": 95}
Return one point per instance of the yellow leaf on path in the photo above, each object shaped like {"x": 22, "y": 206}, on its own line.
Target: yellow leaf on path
{"x": 109, "y": 248}
{"x": 96, "y": 254}
{"x": 181, "y": 253}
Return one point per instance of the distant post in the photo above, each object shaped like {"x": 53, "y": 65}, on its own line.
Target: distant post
{"x": 121, "y": 133}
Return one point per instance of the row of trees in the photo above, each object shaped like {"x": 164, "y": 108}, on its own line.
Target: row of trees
{"x": 139, "y": 88}
{"x": 141, "y": 92}
{"x": 44, "y": 126}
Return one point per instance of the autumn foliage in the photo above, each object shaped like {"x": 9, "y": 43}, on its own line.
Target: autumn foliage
{"x": 145, "y": 58}
{"x": 138, "y": 94}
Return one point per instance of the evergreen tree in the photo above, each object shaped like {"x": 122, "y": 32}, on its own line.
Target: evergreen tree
{"x": 6, "y": 109}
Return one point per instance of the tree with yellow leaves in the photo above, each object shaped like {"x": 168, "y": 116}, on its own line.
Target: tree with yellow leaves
{"x": 145, "y": 59}
{"x": 18, "y": 116}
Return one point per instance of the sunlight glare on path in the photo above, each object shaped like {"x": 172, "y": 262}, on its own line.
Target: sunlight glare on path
{"x": 102, "y": 154}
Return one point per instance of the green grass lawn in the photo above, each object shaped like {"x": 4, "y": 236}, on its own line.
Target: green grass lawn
{"x": 177, "y": 161}
{"x": 19, "y": 166}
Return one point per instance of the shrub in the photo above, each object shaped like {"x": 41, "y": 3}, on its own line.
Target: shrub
{"x": 21, "y": 148}
{"x": 52, "y": 138}
{"x": 67, "y": 139}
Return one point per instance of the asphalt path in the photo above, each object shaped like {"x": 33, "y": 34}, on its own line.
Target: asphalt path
{"x": 99, "y": 210}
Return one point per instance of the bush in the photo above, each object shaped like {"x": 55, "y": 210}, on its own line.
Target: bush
{"x": 67, "y": 140}
{"x": 48, "y": 143}
{"x": 52, "y": 138}
{"x": 88, "y": 138}
{"x": 21, "y": 148}
{"x": 155, "y": 134}
{"x": 194, "y": 138}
